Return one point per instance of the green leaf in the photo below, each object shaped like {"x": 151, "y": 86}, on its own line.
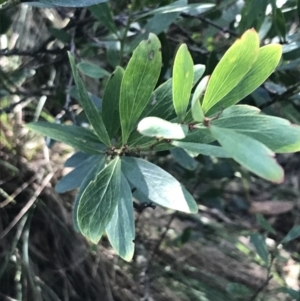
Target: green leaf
{"x": 90, "y": 110}
{"x": 140, "y": 78}
{"x": 74, "y": 178}
{"x": 293, "y": 234}
{"x": 99, "y": 201}
{"x": 71, "y": 3}
{"x": 121, "y": 229}
{"x": 196, "y": 107}
{"x": 276, "y": 133}
{"x": 181, "y": 6}
{"x": 280, "y": 23}
{"x": 185, "y": 160}
{"x": 231, "y": 69}
{"x": 90, "y": 176}
{"x": 92, "y": 70}
{"x": 182, "y": 81}
{"x": 250, "y": 153}
{"x": 264, "y": 223}
{"x": 76, "y": 159}
{"x": 234, "y": 111}
{"x": 298, "y": 9}
{"x": 260, "y": 245}
{"x": 158, "y": 185}
{"x": 160, "y": 128}
{"x": 267, "y": 60}
{"x": 195, "y": 149}
{"x": 60, "y": 34}
{"x": 110, "y": 103}
{"x": 76, "y": 136}
{"x": 103, "y": 14}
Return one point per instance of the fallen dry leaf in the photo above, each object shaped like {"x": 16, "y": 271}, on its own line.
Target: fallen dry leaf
{"x": 271, "y": 207}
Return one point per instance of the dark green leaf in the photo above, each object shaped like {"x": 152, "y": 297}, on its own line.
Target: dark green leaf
{"x": 74, "y": 178}
{"x": 76, "y": 159}
{"x": 185, "y": 160}
{"x": 158, "y": 185}
{"x": 110, "y": 102}
{"x": 293, "y": 234}
{"x": 280, "y": 23}
{"x": 91, "y": 111}
{"x": 264, "y": 223}
{"x": 60, "y": 34}
{"x": 92, "y": 70}
{"x": 99, "y": 201}
{"x": 140, "y": 78}
{"x": 76, "y": 136}
{"x": 260, "y": 245}
{"x": 121, "y": 229}
{"x": 71, "y": 3}
{"x": 103, "y": 14}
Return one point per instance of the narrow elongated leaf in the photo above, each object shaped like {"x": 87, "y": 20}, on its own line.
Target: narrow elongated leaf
{"x": 267, "y": 60}
{"x": 276, "y": 133}
{"x": 99, "y": 200}
{"x": 92, "y": 70}
{"x": 231, "y": 69}
{"x": 182, "y": 81}
{"x": 195, "y": 149}
{"x": 76, "y": 136}
{"x": 182, "y": 157}
{"x": 139, "y": 80}
{"x": 90, "y": 110}
{"x": 74, "y": 178}
{"x": 293, "y": 234}
{"x": 158, "y": 185}
{"x": 102, "y": 12}
{"x": 160, "y": 128}
{"x": 260, "y": 245}
{"x": 250, "y": 153}
{"x": 71, "y": 3}
{"x": 161, "y": 104}
{"x": 280, "y": 22}
{"x": 90, "y": 176}
{"x": 121, "y": 229}
{"x": 110, "y": 102}
{"x": 196, "y": 107}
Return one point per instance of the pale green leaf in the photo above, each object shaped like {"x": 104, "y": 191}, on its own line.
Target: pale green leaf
{"x": 99, "y": 201}
{"x": 110, "y": 103}
{"x": 76, "y": 136}
{"x": 267, "y": 60}
{"x": 276, "y": 133}
{"x": 140, "y": 78}
{"x": 231, "y": 69}
{"x": 160, "y": 128}
{"x": 250, "y": 153}
{"x": 121, "y": 229}
{"x": 90, "y": 110}
{"x": 196, "y": 107}
{"x": 182, "y": 81}
{"x": 195, "y": 149}
{"x": 157, "y": 185}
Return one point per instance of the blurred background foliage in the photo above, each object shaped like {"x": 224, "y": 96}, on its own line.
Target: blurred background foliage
{"x": 230, "y": 250}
